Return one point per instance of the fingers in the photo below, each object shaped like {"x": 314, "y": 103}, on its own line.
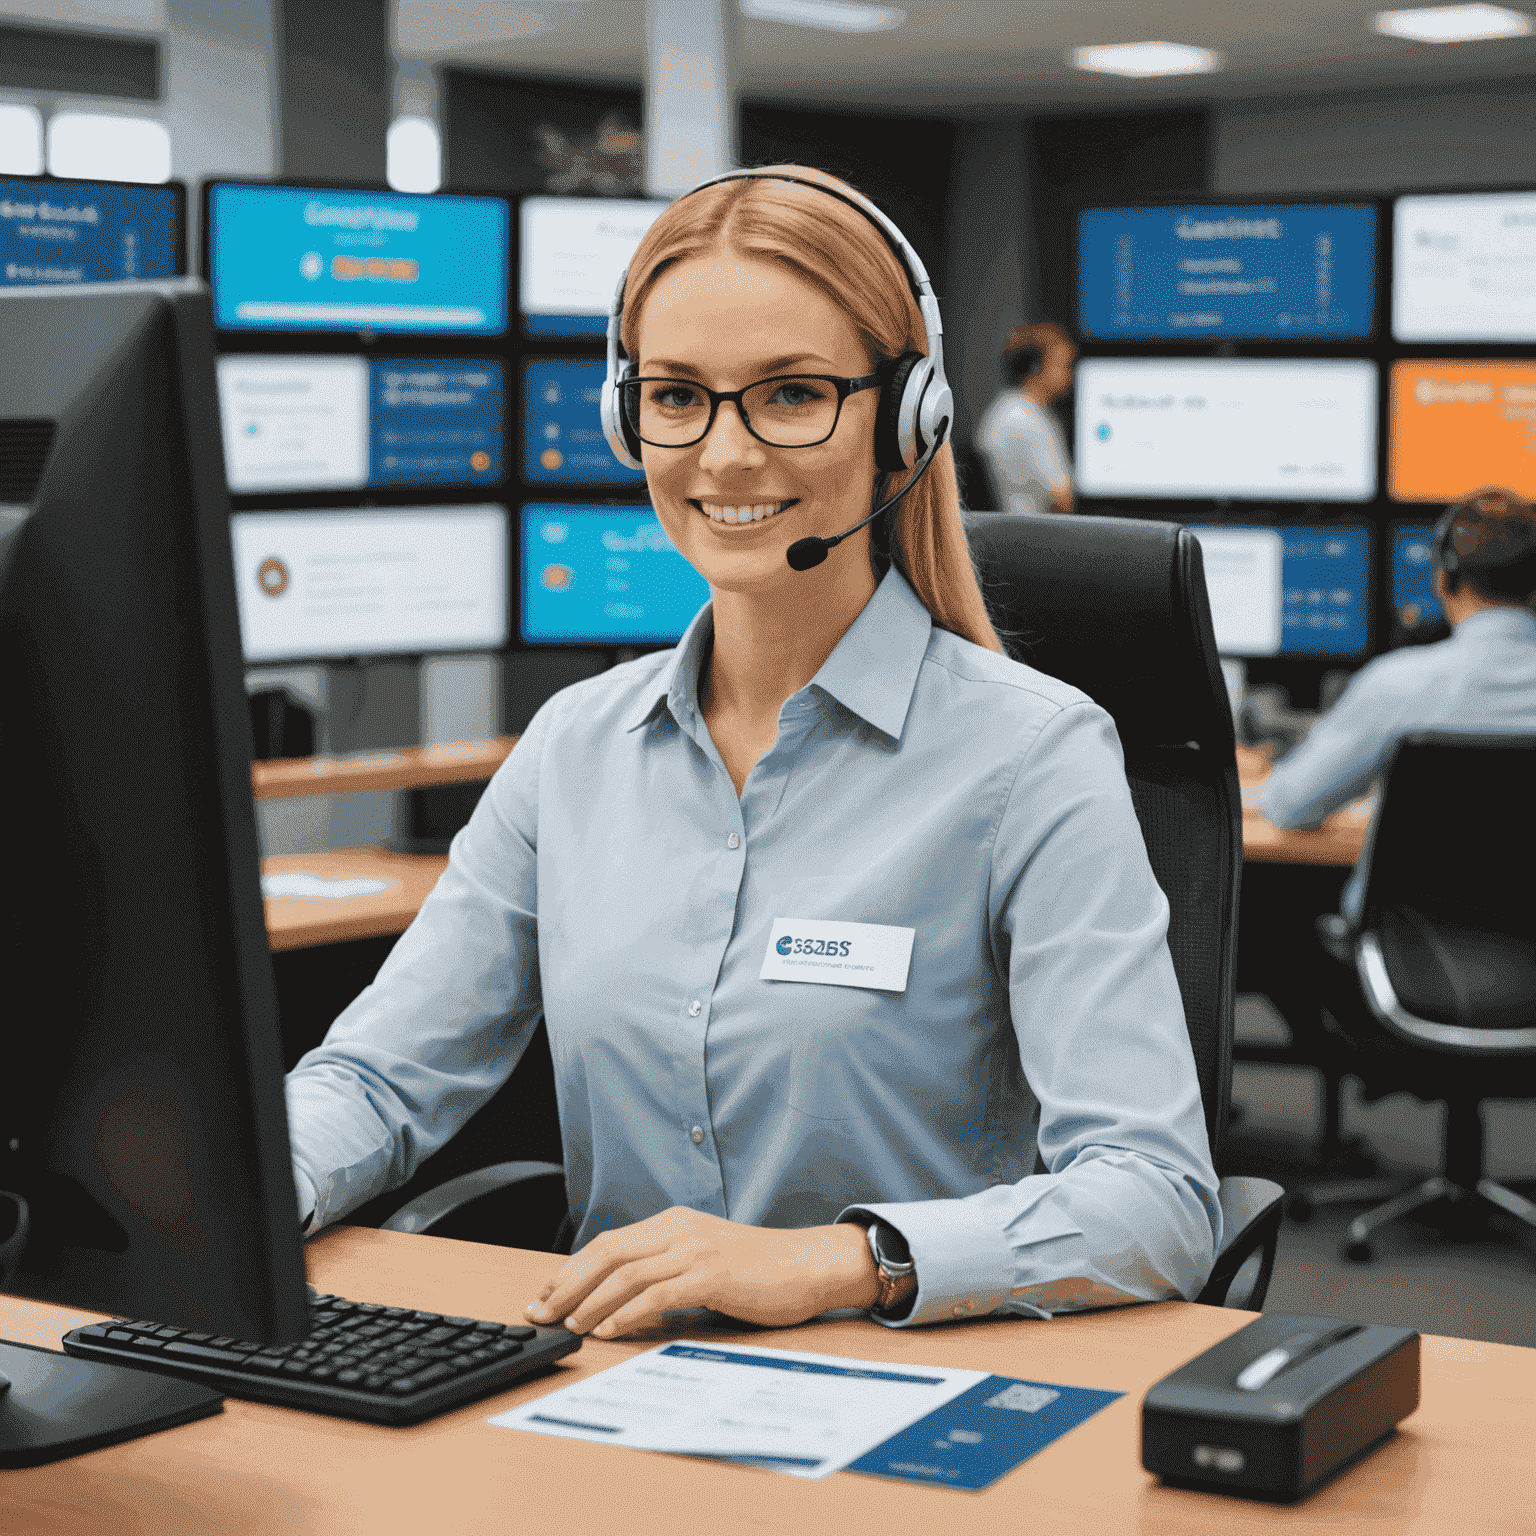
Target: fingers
{"x": 648, "y": 1308}
{"x": 631, "y": 1286}
{"x": 581, "y": 1274}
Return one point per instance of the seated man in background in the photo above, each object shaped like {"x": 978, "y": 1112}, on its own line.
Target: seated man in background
{"x": 1024, "y": 446}
{"x": 1481, "y": 679}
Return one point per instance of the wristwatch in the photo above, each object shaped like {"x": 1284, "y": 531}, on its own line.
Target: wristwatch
{"x": 898, "y": 1274}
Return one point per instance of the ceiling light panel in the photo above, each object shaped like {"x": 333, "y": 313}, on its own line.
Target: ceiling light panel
{"x": 828, "y": 15}
{"x": 1454, "y": 23}
{"x": 1141, "y": 61}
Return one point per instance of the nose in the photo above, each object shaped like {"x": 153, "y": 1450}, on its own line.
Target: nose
{"x": 728, "y": 444}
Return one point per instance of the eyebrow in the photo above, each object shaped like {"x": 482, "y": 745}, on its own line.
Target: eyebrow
{"x": 770, "y": 368}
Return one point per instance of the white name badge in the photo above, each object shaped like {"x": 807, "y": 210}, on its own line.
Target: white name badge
{"x": 838, "y": 954}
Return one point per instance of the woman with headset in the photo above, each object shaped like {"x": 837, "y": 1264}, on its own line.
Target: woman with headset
{"x": 836, "y": 915}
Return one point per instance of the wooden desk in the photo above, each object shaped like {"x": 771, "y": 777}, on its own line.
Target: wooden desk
{"x": 295, "y": 922}
{"x": 1337, "y": 842}
{"x": 449, "y": 762}
{"x": 1459, "y": 1464}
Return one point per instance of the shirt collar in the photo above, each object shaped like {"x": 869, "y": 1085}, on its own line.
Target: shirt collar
{"x": 872, "y": 670}
{"x": 676, "y": 684}
{"x": 1511, "y": 622}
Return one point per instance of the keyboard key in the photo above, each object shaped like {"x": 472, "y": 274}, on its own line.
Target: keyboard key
{"x": 435, "y": 1372}
{"x": 403, "y": 1386}
{"x": 149, "y": 1341}
{"x": 397, "y": 1312}
{"x": 506, "y": 1348}
{"x": 376, "y": 1383}
{"x": 489, "y": 1327}
{"x": 296, "y": 1367}
{"x": 520, "y": 1331}
{"x": 264, "y": 1362}
{"x": 460, "y": 1322}
{"x": 168, "y": 1333}
{"x": 203, "y": 1352}
{"x": 322, "y": 1372}
{"x": 427, "y": 1317}
{"x": 439, "y": 1335}
{"x": 203, "y": 1338}
{"x": 117, "y": 1335}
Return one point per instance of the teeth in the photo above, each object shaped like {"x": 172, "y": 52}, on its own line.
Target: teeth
{"x": 750, "y": 514}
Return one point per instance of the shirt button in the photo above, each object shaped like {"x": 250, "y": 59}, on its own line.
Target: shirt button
{"x": 693, "y": 1008}
{"x": 697, "y": 1133}
{"x": 733, "y": 841}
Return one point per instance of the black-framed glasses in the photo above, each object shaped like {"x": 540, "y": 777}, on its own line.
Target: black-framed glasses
{"x": 792, "y": 410}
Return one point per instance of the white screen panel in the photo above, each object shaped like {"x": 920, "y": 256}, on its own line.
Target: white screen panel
{"x": 1464, "y": 268}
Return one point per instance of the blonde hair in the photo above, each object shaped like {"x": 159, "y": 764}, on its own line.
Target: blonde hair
{"x": 841, "y": 252}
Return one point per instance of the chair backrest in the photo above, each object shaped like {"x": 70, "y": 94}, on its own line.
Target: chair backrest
{"x": 1118, "y": 608}
{"x": 1450, "y": 896}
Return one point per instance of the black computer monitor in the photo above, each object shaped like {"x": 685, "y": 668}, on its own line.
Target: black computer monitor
{"x": 141, "y": 1088}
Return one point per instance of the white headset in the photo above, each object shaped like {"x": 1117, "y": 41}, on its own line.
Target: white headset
{"x": 916, "y": 405}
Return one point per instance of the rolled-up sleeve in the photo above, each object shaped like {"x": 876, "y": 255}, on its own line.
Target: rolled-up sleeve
{"x": 445, "y": 1021}
{"x": 1128, "y": 1210}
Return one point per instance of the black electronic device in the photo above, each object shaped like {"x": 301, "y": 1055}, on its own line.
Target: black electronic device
{"x": 361, "y": 1360}
{"x": 142, "y": 1122}
{"x": 1280, "y": 1406}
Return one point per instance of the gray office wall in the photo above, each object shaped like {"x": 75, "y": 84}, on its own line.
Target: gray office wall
{"x": 1374, "y": 141}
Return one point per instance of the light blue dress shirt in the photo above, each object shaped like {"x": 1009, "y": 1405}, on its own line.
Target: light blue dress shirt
{"x": 611, "y": 882}
{"x": 1481, "y": 679}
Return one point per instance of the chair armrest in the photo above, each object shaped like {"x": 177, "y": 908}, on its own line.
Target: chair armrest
{"x": 425, "y": 1211}
{"x": 1250, "y": 1219}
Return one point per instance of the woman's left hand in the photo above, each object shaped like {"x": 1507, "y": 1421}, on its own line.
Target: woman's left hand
{"x": 624, "y": 1280}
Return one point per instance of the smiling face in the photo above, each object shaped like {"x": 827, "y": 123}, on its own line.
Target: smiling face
{"x": 727, "y": 321}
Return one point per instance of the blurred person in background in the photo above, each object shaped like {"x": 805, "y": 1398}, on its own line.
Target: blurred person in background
{"x": 1018, "y": 434}
{"x": 1483, "y": 678}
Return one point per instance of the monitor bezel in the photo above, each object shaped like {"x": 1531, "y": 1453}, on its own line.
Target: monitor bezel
{"x": 357, "y": 337}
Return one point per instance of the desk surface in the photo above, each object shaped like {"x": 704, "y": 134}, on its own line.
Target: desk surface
{"x": 1337, "y": 842}
{"x": 448, "y": 762}
{"x": 1460, "y": 1463}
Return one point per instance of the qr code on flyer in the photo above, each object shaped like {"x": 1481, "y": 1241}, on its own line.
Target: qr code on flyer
{"x": 1025, "y": 1398}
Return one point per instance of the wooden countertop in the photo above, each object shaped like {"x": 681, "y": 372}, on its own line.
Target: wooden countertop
{"x": 1461, "y": 1463}
{"x": 1337, "y": 842}
{"x": 296, "y": 922}
{"x": 449, "y": 762}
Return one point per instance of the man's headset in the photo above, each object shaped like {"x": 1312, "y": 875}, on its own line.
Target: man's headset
{"x": 915, "y": 406}
{"x": 1444, "y": 548}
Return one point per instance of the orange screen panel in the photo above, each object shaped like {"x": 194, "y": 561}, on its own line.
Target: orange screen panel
{"x": 1457, "y": 425}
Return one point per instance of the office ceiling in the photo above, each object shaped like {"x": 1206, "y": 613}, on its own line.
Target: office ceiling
{"x": 977, "y": 55}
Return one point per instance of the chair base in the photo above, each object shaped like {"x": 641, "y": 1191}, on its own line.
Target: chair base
{"x": 1468, "y": 1203}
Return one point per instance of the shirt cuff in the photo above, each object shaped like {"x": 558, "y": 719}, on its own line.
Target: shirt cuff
{"x": 964, "y": 1262}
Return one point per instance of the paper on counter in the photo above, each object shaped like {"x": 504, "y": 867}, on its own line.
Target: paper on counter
{"x": 804, "y": 1414}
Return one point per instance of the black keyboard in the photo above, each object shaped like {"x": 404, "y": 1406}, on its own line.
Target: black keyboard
{"x": 392, "y": 1365}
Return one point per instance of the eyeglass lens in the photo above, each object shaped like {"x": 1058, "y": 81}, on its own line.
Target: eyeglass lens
{"x": 785, "y": 413}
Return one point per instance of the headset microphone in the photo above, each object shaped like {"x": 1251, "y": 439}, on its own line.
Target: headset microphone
{"x": 805, "y": 554}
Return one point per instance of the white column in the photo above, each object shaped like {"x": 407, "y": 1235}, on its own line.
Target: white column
{"x": 690, "y": 92}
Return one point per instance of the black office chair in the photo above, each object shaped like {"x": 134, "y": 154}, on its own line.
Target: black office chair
{"x": 1118, "y": 608}
{"x": 1434, "y": 991}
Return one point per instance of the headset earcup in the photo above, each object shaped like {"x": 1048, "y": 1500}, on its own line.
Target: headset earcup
{"x": 622, "y": 438}
{"x": 895, "y": 417}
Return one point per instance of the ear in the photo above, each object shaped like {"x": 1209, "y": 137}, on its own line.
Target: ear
{"x": 1441, "y": 587}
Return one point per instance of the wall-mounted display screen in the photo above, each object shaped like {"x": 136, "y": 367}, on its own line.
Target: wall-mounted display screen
{"x": 563, "y": 442}
{"x": 87, "y": 232}
{"x": 340, "y": 423}
{"x": 1462, "y": 265}
{"x": 1288, "y": 591}
{"x": 1413, "y": 593}
{"x": 376, "y": 583}
{"x": 1283, "y": 271}
{"x": 603, "y": 576}
{"x": 571, "y": 252}
{"x": 1457, "y": 424}
{"x": 1240, "y": 428}
{"x": 319, "y": 259}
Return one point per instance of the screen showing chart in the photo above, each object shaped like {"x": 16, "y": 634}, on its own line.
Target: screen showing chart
{"x": 1462, "y": 265}
{"x": 1284, "y": 591}
{"x": 1456, "y": 425}
{"x": 87, "y": 232}
{"x": 1242, "y": 428}
{"x": 313, "y": 259}
{"x": 603, "y": 576}
{"x": 563, "y": 442}
{"x": 408, "y": 582}
{"x": 1289, "y": 271}
{"x": 340, "y": 423}
{"x": 1413, "y": 568}
{"x": 571, "y": 252}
